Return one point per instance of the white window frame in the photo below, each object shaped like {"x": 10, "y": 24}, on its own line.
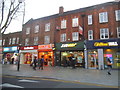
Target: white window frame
{"x": 90, "y": 34}
{"x": 36, "y": 29}
{"x": 47, "y": 40}
{"x": 118, "y": 32}
{"x": 89, "y": 19}
{"x": 0, "y": 42}
{"x": 117, "y": 15}
{"x": 17, "y": 40}
{"x": 63, "y": 24}
{"x": 47, "y": 27}
{"x": 13, "y": 40}
{"x": 75, "y": 36}
{"x": 63, "y": 37}
{"x": 10, "y": 41}
{"x": 3, "y": 41}
{"x": 75, "y": 22}
{"x": 27, "y": 30}
{"x": 103, "y": 17}
{"x": 26, "y": 41}
{"x": 103, "y": 33}
{"x": 35, "y": 40}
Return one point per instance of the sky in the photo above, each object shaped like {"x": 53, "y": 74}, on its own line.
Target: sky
{"x": 41, "y": 8}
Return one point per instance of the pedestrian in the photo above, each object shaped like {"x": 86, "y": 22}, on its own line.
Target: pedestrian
{"x": 109, "y": 64}
{"x": 41, "y": 62}
{"x": 12, "y": 62}
{"x": 35, "y": 63}
{"x": 73, "y": 61}
{"x": 64, "y": 61}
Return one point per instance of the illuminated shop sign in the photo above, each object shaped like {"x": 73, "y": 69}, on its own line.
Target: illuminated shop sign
{"x": 49, "y": 46}
{"x": 28, "y": 48}
{"x": 9, "y": 49}
{"x": 68, "y": 45}
{"x": 103, "y": 44}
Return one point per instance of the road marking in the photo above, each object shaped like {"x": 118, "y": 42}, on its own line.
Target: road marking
{"x": 57, "y": 80}
{"x": 27, "y": 80}
{"x": 10, "y": 85}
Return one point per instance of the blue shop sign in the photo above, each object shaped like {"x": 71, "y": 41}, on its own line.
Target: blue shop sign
{"x": 110, "y": 43}
{"x": 10, "y": 49}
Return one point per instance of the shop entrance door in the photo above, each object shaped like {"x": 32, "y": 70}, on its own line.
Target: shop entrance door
{"x": 92, "y": 61}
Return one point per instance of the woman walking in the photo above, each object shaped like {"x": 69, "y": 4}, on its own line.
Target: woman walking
{"x": 35, "y": 63}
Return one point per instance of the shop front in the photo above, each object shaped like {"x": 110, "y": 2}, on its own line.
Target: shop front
{"x": 47, "y": 52}
{"x": 27, "y": 54}
{"x": 99, "y": 50}
{"x": 64, "y": 50}
{"x": 9, "y": 53}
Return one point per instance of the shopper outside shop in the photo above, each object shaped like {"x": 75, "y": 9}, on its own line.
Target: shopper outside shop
{"x": 109, "y": 64}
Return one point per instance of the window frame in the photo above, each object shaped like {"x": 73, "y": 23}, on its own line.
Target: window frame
{"x": 103, "y": 17}
{"x": 27, "y": 30}
{"x": 10, "y": 41}
{"x": 104, "y": 33}
{"x": 75, "y": 36}
{"x": 47, "y": 39}
{"x": 47, "y": 27}
{"x": 118, "y": 32}
{"x": 35, "y": 40}
{"x": 13, "y": 40}
{"x": 90, "y": 21}
{"x": 63, "y": 24}
{"x": 63, "y": 37}
{"x": 117, "y": 15}
{"x": 75, "y": 22}
{"x": 26, "y": 41}
{"x": 90, "y": 34}
{"x": 36, "y": 29}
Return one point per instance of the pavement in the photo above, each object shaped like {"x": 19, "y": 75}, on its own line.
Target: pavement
{"x": 91, "y": 76}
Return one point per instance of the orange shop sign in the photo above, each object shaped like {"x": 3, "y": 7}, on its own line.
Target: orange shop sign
{"x": 48, "y": 46}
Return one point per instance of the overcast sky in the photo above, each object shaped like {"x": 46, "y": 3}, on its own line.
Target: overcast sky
{"x": 41, "y": 8}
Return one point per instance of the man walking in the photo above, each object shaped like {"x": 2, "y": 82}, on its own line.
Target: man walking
{"x": 109, "y": 64}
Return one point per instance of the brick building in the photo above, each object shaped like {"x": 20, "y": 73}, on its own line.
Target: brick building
{"x": 85, "y": 32}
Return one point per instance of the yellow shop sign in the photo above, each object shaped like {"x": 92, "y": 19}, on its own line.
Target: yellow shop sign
{"x": 101, "y": 44}
{"x": 69, "y": 45}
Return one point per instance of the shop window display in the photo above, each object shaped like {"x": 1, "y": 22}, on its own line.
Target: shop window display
{"x": 92, "y": 59}
{"x": 77, "y": 54}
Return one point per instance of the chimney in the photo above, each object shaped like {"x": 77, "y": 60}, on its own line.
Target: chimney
{"x": 61, "y": 10}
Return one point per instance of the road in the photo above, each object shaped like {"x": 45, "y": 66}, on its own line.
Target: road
{"x": 35, "y": 82}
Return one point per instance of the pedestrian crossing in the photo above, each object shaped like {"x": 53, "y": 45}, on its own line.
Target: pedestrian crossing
{"x": 10, "y": 85}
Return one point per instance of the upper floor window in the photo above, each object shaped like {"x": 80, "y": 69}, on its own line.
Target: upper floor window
{"x": 63, "y": 24}
{"x": 90, "y": 35}
{"x": 13, "y": 40}
{"x": 17, "y": 40}
{"x": 74, "y": 22}
{"x": 46, "y": 39}
{"x": 3, "y": 41}
{"x": 0, "y": 42}
{"x": 117, "y": 15}
{"x": 26, "y": 41}
{"x": 63, "y": 37}
{"x": 75, "y": 36}
{"x": 10, "y": 41}
{"x": 36, "y": 29}
{"x": 47, "y": 27}
{"x": 28, "y": 30}
{"x": 118, "y": 32}
{"x": 35, "y": 40}
{"x": 89, "y": 19}
{"x": 104, "y": 33}
{"x": 103, "y": 17}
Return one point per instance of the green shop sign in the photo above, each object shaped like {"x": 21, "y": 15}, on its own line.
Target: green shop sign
{"x": 70, "y": 46}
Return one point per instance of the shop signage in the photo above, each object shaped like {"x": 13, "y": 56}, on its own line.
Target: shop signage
{"x": 102, "y": 44}
{"x": 68, "y": 45}
{"x": 49, "y": 46}
{"x": 10, "y": 49}
{"x": 29, "y": 48}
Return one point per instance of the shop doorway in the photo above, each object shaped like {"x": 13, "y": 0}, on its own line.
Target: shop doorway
{"x": 92, "y": 60}
{"x": 48, "y": 58}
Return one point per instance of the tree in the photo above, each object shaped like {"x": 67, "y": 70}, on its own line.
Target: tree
{"x": 9, "y": 9}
